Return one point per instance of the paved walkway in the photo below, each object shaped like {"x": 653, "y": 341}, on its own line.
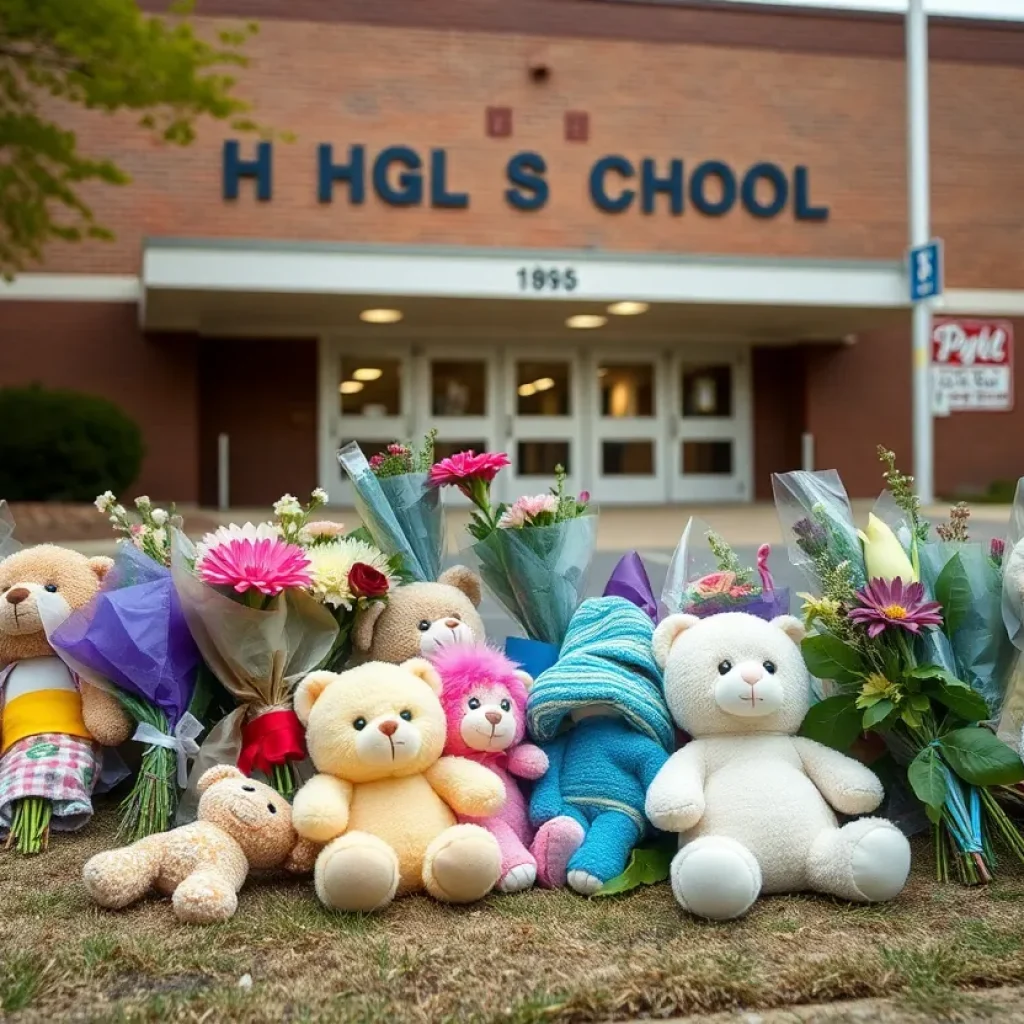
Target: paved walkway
{"x": 624, "y": 528}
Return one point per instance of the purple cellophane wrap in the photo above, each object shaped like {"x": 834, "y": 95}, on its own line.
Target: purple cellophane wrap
{"x": 629, "y": 580}
{"x": 133, "y": 634}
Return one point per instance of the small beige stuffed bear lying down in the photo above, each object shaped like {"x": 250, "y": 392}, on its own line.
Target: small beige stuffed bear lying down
{"x": 750, "y": 798}
{"x": 242, "y": 824}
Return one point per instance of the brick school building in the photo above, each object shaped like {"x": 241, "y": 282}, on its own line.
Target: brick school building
{"x": 660, "y": 243}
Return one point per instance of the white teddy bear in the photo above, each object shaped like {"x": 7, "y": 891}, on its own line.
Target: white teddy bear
{"x": 750, "y": 797}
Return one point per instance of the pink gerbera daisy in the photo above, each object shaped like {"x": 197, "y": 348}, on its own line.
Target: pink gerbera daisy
{"x": 465, "y": 467}
{"x": 252, "y": 558}
{"x": 891, "y": 603}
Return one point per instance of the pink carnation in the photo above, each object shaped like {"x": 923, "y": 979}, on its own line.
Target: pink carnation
{"x": 267, "y": 564}
{"x": 465, "y": 467}
{"x": 525, "y": 510}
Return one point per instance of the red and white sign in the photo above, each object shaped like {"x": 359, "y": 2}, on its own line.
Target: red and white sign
{"x": 972, "y": 366}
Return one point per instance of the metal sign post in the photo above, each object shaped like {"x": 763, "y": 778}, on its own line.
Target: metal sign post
{"x": 925, "y": 263}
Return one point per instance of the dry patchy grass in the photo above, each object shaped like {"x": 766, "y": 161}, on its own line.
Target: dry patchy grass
{"x": 535, "y": 957}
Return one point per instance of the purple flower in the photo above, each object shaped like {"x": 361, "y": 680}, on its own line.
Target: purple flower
{"x": 891, "y": 603}
{"x": 996, "y": 549}
{"x": 811, "y": 536}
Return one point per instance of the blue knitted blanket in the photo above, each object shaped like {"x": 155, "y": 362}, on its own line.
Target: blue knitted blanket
{"x": 606, "y": 658}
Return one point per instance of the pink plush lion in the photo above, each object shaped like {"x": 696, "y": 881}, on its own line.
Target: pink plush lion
{"x": 484, "y": 698}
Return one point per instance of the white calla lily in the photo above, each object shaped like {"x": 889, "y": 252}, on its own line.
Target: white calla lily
{"x": 884, "y": 556}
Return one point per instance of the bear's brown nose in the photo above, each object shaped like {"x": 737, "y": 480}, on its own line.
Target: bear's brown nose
{"x": 17, "y": 595}
{"x": 493, "y": 717}
{"x": 389, "y": 728}
{"x": 452, "y": 623}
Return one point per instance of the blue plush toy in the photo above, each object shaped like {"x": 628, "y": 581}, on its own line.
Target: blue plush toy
{"x": 600, "y": 716}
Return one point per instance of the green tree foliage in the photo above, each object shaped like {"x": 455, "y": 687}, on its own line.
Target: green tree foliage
{"x": 104, "y": 55}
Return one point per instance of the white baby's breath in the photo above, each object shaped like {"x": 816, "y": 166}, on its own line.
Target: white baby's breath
{"x": 159, "y": 516}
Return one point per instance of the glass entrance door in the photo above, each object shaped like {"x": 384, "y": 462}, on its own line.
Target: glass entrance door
{"x": 711, "y": 425}
{"x": 543, "y": 410}
{"x": 457, "y": 393}
{"x": 364, "y": 397}
{"x": 628, "y": 408}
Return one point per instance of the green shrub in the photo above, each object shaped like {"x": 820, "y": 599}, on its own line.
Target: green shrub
{"x": 64, "y": 446}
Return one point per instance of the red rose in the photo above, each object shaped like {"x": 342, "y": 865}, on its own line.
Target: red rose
{"x": 366, "y": 581}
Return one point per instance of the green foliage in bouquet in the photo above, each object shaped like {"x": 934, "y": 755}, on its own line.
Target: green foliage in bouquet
{"x": 67, "y": 446}
{"x": 398, "y": 459}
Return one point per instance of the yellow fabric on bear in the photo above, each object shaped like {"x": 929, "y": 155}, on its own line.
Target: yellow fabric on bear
{"x": 43, "y": 711}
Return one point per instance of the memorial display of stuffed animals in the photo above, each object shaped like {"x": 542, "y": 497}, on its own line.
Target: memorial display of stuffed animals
{"x": 484, "y": 697}
{"x": 600, "y": 716}
{"x": 385, "y": 801}
{"x": 753, "y": 801}
{"x": 420, "y": 619}
{"x": 243, "y": 824}
{"x": 52, "y": 725}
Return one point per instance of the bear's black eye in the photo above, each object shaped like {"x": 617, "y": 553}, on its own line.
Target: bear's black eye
{"x": 50, "y": 588}
{"x": 407, "y": 715}
{"x": 724, "y": 667}
{"x": 769, "y": 667}
{"x": 473, "y": 703}
{"x": 272, "y": 808}
{"x": 506, "y": 705}
{"x": 248, "y": 789}
{"x": 359, "y": 724}
{"x": 424, "y": 626}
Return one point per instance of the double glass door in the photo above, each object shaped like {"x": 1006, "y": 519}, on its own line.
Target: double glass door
{"x": 634, "y": 427}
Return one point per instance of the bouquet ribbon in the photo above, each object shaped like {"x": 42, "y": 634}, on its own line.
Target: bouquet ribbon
{"x": 272, "y": 738}
{"x": 182, "y": 741}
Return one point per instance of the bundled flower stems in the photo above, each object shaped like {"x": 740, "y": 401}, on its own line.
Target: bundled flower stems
{"x": 132, "y": 639}
{"x": 533, "y": 555}
{"x": 908, "y": 638}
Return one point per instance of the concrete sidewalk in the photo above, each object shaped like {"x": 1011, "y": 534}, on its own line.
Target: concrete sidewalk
{"x": 646, "y": 528}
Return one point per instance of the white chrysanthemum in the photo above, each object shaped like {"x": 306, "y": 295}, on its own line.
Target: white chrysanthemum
{"x": 287, "y": 505}
{"x": 330, "y": 564}
{"x": 159, "y": 516}
{"x": 104, "y": 501}
{"x": 320, "y": 495}
{"x": 226, "y": 534}
{"x": 142, "y": 501}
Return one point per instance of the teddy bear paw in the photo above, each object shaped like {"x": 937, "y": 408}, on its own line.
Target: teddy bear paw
{"x": 356, "y": 873}
{"x": 519, "y": 878}
{"x": 555, "y": 843}
{"x": 716, "y": 877}
{"x": 462, "y": 864}
{"x": 204, "y": 898}
{"x": 583, "y": 882}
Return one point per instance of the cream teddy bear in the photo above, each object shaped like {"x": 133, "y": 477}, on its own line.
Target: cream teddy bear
{"x": 386, "y": 800}
{"x": 50, "y": 719}
{"x": 242, "y": 824}
{"x": 750, "y": 798}
{"x": 420, "y": 619}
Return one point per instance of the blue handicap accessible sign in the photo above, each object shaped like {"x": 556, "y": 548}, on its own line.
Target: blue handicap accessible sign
{"x": 925, "y": 270}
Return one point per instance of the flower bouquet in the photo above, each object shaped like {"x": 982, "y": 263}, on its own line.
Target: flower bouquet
{"x": 706, "y": 577}
{"x": 898, "y": 621}
{"x": 132, "y": 640}
{"x": 402, "y": 513}
{"x": 533, "y": 555}
{"x": 245, "y": 592}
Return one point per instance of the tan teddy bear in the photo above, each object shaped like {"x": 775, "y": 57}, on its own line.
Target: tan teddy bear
{"x": 51, "y": 723}
{"x": 242, "y": 824}
{"x": 419, "y": 619}
{"x": 386, "y": 800}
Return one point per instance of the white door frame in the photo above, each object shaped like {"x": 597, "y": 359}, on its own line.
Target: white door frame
{"x": 737, "y": 429}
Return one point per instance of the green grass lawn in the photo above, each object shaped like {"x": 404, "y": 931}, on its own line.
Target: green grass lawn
{"x": 538, "y": 956}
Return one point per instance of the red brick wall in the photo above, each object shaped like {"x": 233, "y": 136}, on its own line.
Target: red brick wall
{"x": 859, "y": 397}
{"x": 841, "y": 115}
{"x": 98, "y": 348}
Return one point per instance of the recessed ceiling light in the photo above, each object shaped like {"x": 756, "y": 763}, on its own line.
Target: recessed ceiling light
{"x": 350, "y": 387}
{"x": 628, "y": 308}
{"x": 527, "y": 390}
{"x": 544, "y": 384}
{"x": 381, "y": 316}
{"x": 368, "y": 373}
{"x": 586, "y": 321}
